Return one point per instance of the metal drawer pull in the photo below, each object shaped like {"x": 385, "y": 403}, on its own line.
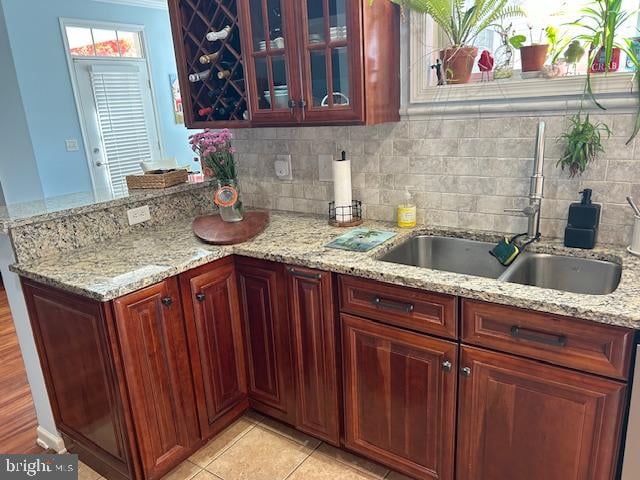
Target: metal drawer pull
{"x": 293, "y": 271}
{"x": 446, "y": 366}
{"x": 523, "y": 334}
{"x": 381, "y": 303}
{"x": 466, "y": 371}
{"x": 200, "y": 297}
{"x": 167, "y": 301}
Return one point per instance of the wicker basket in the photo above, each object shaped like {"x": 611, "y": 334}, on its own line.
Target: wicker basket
{"x": 157, "y": 180}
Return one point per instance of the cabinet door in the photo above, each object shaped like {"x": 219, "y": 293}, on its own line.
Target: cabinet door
{"x": 74, "y": 347}
{"x": 154, "y": 353}
{"x": 400, "y": 397}
{"x": 270, "y": 47}
{"x": 263, "y": 307}
{"x": 331, "y": 53}
{"x": 210, "y": 297}
{"x": 314, "y": 346}
{"x": 526, "y": 420}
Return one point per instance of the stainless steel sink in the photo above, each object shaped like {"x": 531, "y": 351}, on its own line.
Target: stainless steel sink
{"x": 456, "y": 255}
{"x": 472, "y": 257}
{"x": 569, "y": 274}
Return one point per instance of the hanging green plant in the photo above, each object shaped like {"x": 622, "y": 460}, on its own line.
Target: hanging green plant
{"x": 583, "y": 144}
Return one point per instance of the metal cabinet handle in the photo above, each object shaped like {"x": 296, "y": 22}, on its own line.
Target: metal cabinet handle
{"x": 200, "y": 297}
{"x": 446, "y": 366}
{"x": 167, "y": 301}
{"x": 302, "y": 105}
{"x": 297, "y": 273}
{"x": 538, "y": 337}
{"x": 390, "y": 304}
{"x": 465, "y": 371}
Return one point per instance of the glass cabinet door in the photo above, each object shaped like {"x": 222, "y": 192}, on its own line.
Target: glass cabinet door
{"x": 270, "y": 44}
{"x": 332, "y": 59}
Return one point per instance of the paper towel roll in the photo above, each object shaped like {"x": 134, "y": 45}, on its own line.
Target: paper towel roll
{"x": 342, "y": 189}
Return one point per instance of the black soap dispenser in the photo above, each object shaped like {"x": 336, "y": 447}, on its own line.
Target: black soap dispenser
{"x": 584, "y": 219}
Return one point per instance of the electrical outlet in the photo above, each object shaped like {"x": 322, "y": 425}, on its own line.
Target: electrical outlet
{"x": 139, "y": 215}
{"x": 283, "y": 167}
{"x": 72, "y": 145}
{"x": 325, "y": 168}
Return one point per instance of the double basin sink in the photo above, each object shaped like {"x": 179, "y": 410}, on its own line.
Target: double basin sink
{"x": 472, "y": 257}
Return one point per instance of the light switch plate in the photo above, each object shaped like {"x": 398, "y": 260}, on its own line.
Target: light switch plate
{"x": 325, "y": 168}
{"x": 283, "y": 167}
{"x": 139, "y": 215}
{"x": 72, "y": 145}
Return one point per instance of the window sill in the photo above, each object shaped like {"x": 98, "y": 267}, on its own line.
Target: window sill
{"x": 508, "y": 96}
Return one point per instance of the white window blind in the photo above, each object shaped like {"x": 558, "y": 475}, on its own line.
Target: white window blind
{"x": 123, "y": 121}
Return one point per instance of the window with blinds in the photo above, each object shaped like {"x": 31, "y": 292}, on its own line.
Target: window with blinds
{"x": 123, "y": 119}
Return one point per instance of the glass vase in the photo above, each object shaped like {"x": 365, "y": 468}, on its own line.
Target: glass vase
{"x": 227, "y": 198}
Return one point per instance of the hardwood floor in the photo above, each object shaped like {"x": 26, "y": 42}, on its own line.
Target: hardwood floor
{"x": 17, "y": 413}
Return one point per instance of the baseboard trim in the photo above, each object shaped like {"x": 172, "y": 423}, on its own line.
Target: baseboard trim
{"x": 50, "y": 441}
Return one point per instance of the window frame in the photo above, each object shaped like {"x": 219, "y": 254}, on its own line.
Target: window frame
{"x": 501, "y": 96}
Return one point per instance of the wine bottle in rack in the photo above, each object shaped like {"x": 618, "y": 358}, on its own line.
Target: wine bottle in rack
{"x": 200, "y": 76}
{"x": 216, "y": 92}
{"x": 205, "y": 112}
{"x": 219, "y": 35}
{"x": 223, "y": 113}
{"x": 227, "y": 70}
{"x": 211, "y": 58}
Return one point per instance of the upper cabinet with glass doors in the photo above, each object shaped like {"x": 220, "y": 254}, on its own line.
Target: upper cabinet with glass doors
{"x": 303, "y": 62}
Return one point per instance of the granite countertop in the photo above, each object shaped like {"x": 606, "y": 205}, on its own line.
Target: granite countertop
{"x": 18, "y": 214}
{"x": 114, "y": 268}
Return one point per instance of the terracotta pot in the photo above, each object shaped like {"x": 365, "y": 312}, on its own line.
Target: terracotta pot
{"x": 458, "y": 63}
{"x": 598, "y": 65}
{"x": 533, "y": 57}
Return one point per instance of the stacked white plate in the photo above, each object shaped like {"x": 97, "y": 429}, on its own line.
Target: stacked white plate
{"x": 281, "y": 94}
{"x": 276, "y": 43}
{"x": 316, "y": 38}
{"x": 338, "y": 33}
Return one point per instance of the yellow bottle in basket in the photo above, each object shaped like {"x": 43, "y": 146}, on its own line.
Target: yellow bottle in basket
{"x": 407, "y": 212}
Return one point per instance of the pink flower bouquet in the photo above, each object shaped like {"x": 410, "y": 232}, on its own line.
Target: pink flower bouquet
{"x": 216, "y": 153}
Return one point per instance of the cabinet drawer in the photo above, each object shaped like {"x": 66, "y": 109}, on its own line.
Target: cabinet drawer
{"x": 403, "y": 306}
{"x": 573, "y": 343}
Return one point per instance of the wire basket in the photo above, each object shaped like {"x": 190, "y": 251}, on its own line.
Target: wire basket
{"x": 347, "y": 216}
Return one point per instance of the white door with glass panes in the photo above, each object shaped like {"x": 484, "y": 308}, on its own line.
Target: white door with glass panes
{"x": 119, "y": 119}
{"x": 111, "y": 81}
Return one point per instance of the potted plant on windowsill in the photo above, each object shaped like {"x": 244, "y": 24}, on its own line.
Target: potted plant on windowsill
{"x": 461, "y": 25}
{"x": 532, "y": 56}
{"x": 601, "y": 22}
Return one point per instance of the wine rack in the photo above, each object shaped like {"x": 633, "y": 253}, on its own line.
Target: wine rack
{"x": 221, "y": 99}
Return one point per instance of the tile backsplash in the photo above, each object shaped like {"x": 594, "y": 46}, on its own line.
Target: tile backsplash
{"x": 463, "y": 172}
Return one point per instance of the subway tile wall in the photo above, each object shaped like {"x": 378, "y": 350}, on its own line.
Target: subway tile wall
{"x": 463, "y": 172}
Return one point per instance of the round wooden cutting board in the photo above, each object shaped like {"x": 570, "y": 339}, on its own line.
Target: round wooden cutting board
{"x": 212, "y": 229}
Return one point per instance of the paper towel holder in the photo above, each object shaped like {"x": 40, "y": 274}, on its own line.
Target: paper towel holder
{"x": 354, "y": 211}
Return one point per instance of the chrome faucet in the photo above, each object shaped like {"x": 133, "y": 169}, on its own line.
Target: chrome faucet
{"x": 532, "y": 211}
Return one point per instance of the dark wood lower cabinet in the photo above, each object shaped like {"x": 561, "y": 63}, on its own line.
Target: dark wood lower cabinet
{"x": 155, "y": 359}
{"x": 267, "y": 331}
{"x": 139, "y": 383}
{"x": 72, "y": 336}
{"x": 313, "y": 319}
{"x": 212, "y": 315}
{"x": 400, "y": 398}
{"x": 520, "y": 419}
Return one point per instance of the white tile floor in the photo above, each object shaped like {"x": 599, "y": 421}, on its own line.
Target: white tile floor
{"x": 258, "y": 448}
